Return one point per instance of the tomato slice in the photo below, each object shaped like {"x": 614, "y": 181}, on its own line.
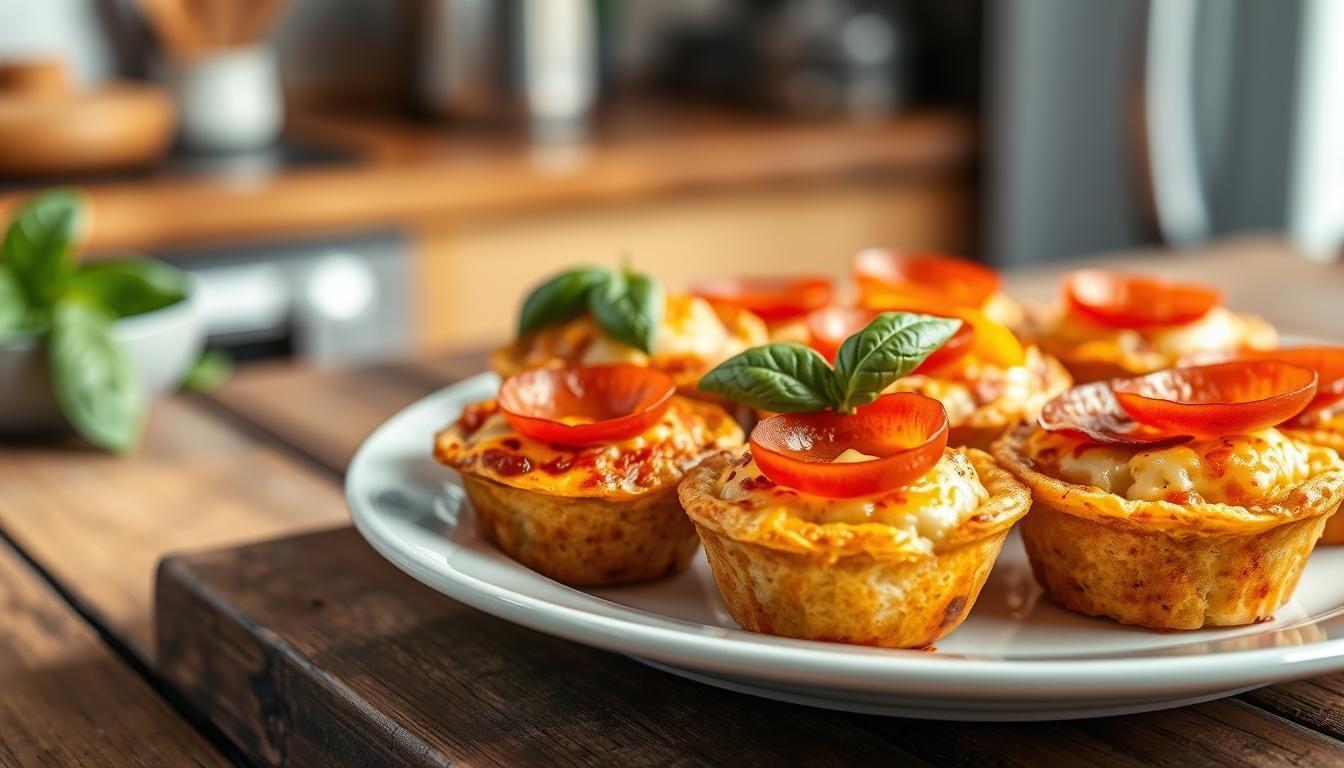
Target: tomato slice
{"x": 1327, "y": 362}
{"x": 1216, "y": 400}
{"x": 1123, "y": 300}
{"x": 907, "y": 432}
{"x": 1091, "y": 411}
{"x": 924, "y": 277}
{"x": 829, "y": 327}
{"x": 586, "y": 405}
{"x": 772, "y": 298}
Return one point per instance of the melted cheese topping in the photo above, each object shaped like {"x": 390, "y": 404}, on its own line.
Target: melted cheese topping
{"x": 980, "y": 395}
{"x": 1240, "y": 470}
{"x": 1330, "y": 419}
{"x": 930, "y": 507}
{"x": 692, "y": 338}
{"x": 1220, "y": 330}
{"x": 482, "y": 442}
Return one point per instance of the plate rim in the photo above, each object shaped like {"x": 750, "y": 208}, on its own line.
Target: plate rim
{"x": 813, "y": 663}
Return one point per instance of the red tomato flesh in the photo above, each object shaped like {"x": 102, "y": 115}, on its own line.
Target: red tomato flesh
{"x": 924, "y": 276}
{"x": 1122, "y": 300}
{"x": 773, "y": 299}
{"x": 1217, "y": 400}
{"x": 603, "y": 403}
{"x": 1327, "y": 362}
{"x": 907, "y": 433}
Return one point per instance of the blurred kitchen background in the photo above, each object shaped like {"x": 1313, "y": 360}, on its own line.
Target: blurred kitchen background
{"x": 356, "y": 178}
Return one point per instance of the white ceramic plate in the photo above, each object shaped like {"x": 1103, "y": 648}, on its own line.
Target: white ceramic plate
{"x": 1017, "y": 656}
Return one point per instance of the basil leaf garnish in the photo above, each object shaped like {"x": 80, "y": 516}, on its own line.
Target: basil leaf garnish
{"x": 562, "y": 297}
{"x": 94, "y": 383}
{"x": 892, "y": 345}
{"x": 628, "y": 306}
{"x": 40, "y": 241}
{"x": 785, "y": 378}
{"x": 13, "y": 305}
{"x": 129, "y": 287}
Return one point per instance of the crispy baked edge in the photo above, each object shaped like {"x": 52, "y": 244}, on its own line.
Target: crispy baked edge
{"x": 1008, "y": 501}
{"x": 1318, "y": 495}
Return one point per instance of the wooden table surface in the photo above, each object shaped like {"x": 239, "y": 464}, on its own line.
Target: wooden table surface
{"x": 263, "y": 456}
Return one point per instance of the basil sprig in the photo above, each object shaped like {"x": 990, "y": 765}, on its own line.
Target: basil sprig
{"x": 792, "y": 378}
{"x": 625, "y": 304}
{"x": 73, "y": 308}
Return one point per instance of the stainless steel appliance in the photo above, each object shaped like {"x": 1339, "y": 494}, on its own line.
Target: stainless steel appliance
{"x": 333, "y": 300}
{"x": 529, "y": 60}
{"x": 1117, "y": 124}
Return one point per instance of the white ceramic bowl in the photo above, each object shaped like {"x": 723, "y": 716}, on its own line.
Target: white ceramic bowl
{"x": 162, "y": 346}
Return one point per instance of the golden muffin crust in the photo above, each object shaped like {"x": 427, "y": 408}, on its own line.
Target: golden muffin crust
{"x": 866, "y": 583}
{"x": 585, "y": 541}
{"x": 594, "y": 516}
{"x": 1166, "y": 565}
{"x": 1326, "y": 432}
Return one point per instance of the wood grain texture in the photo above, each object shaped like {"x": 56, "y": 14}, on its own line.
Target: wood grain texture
{"x": 327, "y": 411}
{"x": 1317, "y": 703}
{"x": 313, "y": 650}
{"x": 325, "y": 414}
{"x": 66, "y": 700}
{"x": 426, "y": 173}
{"x": 98, "y": 524}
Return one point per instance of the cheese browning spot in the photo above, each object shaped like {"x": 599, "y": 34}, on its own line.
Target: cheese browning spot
{"x": 930, "y": 507}
{"x": 483, "y": 442}
{"x": 1240, "y": 470}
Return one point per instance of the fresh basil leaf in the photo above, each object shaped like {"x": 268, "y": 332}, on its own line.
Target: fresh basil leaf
{"x": 560, "y": 298}
{"x": 784, "y": 378}
{"x": 13, "y": 305}
{"x": 892, "y": 345}
{"x": 629, "y": 308}
{"x": 209, "y": 371}
{"x": 129, "y": 287}
{"x": 40, "y": 242}
{"x": 92, "y": 377}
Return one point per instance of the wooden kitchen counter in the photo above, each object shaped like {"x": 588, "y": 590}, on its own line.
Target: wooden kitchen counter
{"x": 411, "y": 173}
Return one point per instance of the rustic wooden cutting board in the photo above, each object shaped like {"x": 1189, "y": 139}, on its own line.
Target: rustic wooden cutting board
{"x": 313, "y": 651}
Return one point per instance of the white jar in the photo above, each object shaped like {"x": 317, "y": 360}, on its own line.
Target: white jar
{"x": 228, "y": 101}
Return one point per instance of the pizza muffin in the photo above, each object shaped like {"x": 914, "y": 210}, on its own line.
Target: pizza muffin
{"x": 781, "y": 301}
{"x": 1322, "y": 421}
{"x": 595, "y": 315}
{"x": 985, "y": 379}
{"x": 1115, "y": 324}
{"x": 1171, "y": 500}
{"x": 573, "y": 472}
{"x": 888, "y": 278}
{"x": 847, "y": 519}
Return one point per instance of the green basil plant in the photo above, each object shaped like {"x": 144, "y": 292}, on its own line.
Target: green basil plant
{"x": 70, "y": 309}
